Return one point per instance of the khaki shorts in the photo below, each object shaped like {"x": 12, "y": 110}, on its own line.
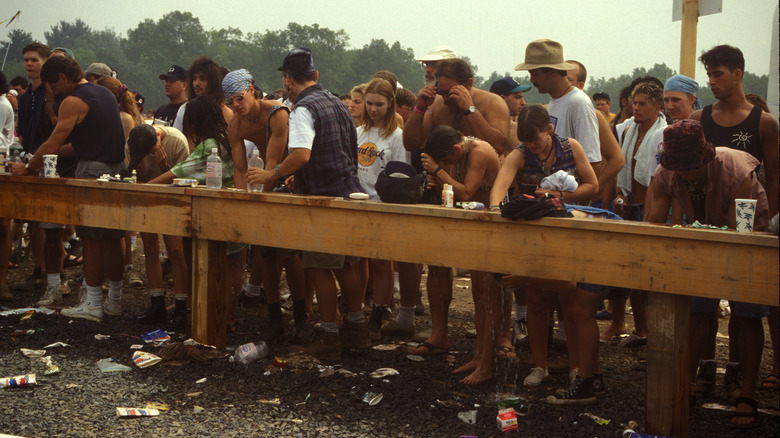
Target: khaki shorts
{"x": 323, "y": 260}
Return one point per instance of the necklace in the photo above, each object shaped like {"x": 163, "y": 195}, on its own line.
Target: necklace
{"x": 697, "y": 190}
{"x": 544, "y": 160}
{"x": 565, "y": 91}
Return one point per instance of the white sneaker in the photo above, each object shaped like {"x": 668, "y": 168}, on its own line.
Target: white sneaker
{"x": 52, "y": 295}
{"x": 536, "y": 377}
{"x": 132, "y": 279}
{"x": 113, "y": 308}
{"x": 84, "y": 310}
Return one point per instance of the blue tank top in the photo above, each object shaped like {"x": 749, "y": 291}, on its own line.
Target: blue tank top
{"x": 99, "y": 137}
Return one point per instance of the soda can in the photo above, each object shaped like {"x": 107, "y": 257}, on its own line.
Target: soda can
{"x": 8, "y": 382}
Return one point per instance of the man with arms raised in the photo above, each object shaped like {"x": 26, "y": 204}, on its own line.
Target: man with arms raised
{"x": 265, "y": 123}
{"x": 89, "y": 118}
{"x": 432, "y": 59}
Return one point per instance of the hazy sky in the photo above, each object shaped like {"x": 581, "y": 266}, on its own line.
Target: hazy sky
{"x": 610, "y": 37}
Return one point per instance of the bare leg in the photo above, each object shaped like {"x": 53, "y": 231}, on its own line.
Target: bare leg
{"x": 439, "y": 298}
{"x": 173, "y": 244}
{"x": 618, "y": 325}
{"x": 350, "y": 286}
{"x": 327, "y": 299}
{"x": 53, "y": 250}
{"x": 409, "y": 275}
{"x": 700, "y": 340}
{"x": 751, "y": 343}
{"x": 37, "y": 245}
{"x": 152, "y": 260}
{"x": 538, "y": 320}
{"x": 639, "y": 309}
{"x": 582, "y": 308}
{"x": 382, "y": 281}
{"x": 491, "y": 297}
{"x": 5, "y": 248}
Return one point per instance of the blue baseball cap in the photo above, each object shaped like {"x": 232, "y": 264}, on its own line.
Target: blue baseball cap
{"x": 507, "y": 85}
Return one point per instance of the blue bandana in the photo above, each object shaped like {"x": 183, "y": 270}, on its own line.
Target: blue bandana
{"x": 686, "y": 85}
{"x": 236, "y": 82}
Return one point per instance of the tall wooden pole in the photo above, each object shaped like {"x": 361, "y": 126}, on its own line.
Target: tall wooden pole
{"x": 690, "y": 19}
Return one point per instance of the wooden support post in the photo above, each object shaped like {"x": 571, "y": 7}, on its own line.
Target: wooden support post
{"x": 668, "y": 349}
{"x": 209, "y": 260}
{"x": 690, "y": 20}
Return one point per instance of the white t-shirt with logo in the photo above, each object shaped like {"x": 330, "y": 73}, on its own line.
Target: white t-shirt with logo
{"x": 574, "y": 116}
{"x": 374, "y": 152}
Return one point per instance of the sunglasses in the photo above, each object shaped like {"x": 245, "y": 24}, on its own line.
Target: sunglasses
{"x": 239, "y": 98}
{"x": 442, "y": 92}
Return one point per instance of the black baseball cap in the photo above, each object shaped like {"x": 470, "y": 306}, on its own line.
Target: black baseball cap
{"x": 175, "y": 73}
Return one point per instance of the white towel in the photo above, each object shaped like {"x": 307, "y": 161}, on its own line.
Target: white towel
{"x": 645, "y": 152}
{"x": 559, "y": 180}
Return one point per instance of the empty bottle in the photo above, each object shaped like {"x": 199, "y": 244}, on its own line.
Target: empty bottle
{"x": 250, "y": 352}
{"x": 214, "y": 170}
{"x": 255, "y": 161}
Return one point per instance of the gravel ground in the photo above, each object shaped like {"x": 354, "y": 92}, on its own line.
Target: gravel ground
{"x": 236, "y": 400}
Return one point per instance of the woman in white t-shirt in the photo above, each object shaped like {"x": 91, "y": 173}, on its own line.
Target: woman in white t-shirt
{"x": 379, "y": 142}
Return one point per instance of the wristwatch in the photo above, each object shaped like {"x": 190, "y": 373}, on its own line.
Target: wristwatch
{"x": 472, "y": 109}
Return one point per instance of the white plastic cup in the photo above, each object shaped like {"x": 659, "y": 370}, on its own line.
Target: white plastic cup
{"x": 50, "y": 166}
{"x": 746, "y": 214}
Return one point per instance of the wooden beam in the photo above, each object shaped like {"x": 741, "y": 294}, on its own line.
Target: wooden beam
{"x": 668, "y": 351}
{"x": 626, "y": 254}
{"x": 690, "y": 21}
{"x": 209, "y": 264}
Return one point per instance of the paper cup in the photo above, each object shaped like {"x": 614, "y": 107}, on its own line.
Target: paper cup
{"x": 50, "y": 166}
{"x": 746, "y": 213}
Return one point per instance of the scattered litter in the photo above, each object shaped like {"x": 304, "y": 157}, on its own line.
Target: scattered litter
{"x": 100, "y": 337}
{"x": 136, "y": 412}
{"x": 57, "y": 344}
{"x": 17, "y": 333}
{"x": 33, "y": 353}
{"x": 8, "y": 382}
{"x": 156, "y": 338}
{"x": 345, "y": 372}
{"x": 507, "y": 420}
{"x": 250, "y": 352}
{"x": 143, "y": 359}
{"x": 158, "y": 406}
{"x": 200, "y": 381}
{"x": 698, "y": 224}
{"x": 279, "y": 363}
{"x": 450, "y": 404}
{"x": 415, "y": 357}
{"x": 197, "y": 410}
{"x": 73, "y": 385}
{"x": 729, "y": 408}
{"x": 110, "y": 365}
{"x": 385, "y": 347}
{"x": 44, "y": 310}
{"x": 384, "y": 372}
{"x": 519, "y": 404}
{"x": 51, "y": 367}
{"x": 596, "y": 418}
{"x": 274, "y": 401}
{"x": 371, "y": 398}
{"x": 327, "y": 371}
{"x": 193, "y": 394}
{"x": 308, "y": 396}
{"x": 136, "y": 347}
{"x": 468, "y": 417}
{"x": 413, "y": 344}
{"x": 293, "y": 420}
{"x": 184, "y": 352}
{"x": 27, "y": 315}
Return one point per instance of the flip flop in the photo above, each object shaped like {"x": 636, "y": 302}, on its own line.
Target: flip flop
{"x": 752, "y": 414}
{"x": 503, "y": 352}
{"x": 432, "y": 350}
{"x": 772, "y": 381}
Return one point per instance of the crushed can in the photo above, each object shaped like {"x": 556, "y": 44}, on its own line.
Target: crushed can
{"x": 8, "y": 382}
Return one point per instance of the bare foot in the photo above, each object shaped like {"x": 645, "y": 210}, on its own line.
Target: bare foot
{"x": 612, "y": 332}
{"x": 468, "y": 366}
{"x": 428, "y": 348}
{"x": 744, "y": 420}
{"x": 478, "y": 376}
{"x": 505, "y": 352}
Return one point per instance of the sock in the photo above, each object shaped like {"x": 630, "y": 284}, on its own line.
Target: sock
{"x": 95, "y": 295}
{"x": 53, "y": 278}
{"x": 356, "y": 317}
{"x": 521, "y": 312}
{"x": 251, "y": 290}
{"x": 299, "y": 309}
{"x": 128, "y": 268}
{"x": 405, "y": 316}
{"x": 114, "y": 290}
{"x": 72, "y": 236}
{"x": 156, "y": 292}
{"x": 329, "y": 327}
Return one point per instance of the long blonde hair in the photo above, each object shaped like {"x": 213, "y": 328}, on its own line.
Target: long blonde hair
{"x": 123, "y": 96}
{"x": 384, "y": 88}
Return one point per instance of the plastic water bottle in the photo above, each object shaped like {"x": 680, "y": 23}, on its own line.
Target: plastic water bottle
{"x": 250, "y": 352}
{"x": 255, "y": 161}
{"x": 214, "y": 170}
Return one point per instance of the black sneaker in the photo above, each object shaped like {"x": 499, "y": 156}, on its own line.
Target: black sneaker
{"x": 579, "y": 393}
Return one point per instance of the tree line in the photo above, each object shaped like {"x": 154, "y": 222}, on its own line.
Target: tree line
{"x": 178, "y": 37}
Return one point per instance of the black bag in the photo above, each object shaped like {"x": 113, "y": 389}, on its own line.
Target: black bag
{"x": 522, "y": 207}
{"x": 400, "y": 190}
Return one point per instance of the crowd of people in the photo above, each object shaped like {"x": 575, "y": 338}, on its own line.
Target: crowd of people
{"x": 661, "y": 159}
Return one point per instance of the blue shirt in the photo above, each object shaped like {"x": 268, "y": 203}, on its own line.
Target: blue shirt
{"x": 31, "y": 105}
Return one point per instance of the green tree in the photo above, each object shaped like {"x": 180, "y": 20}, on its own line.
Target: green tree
{"x": 69, "y": 35}
{"x": 11, "y": 52}
{"x": 378, "y": 55}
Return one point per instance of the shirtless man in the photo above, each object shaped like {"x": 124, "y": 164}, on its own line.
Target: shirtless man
{"x": 454, "y": 102}
{"x": 512, "y": 93}
{"x": 470, "y": 166}
{"x": 253, "y": 118}
{"x": 734, "y": 122}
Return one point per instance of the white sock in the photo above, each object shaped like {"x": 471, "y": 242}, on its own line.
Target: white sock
{"x": 72, "y": 236}
{"x": 114, "y": 290}
{"x": 53, "y": 278}
{"x": 251, "y": 290}
{"x": 330, "y": 327}
{"x": 95, "y": 295}
{"x": 355, "y": 317}
{"x": 405, "y": 316}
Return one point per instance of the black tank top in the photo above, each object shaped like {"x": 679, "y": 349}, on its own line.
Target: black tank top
{"x": 744, "y": 136}
{"x": 99, "y": 137}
